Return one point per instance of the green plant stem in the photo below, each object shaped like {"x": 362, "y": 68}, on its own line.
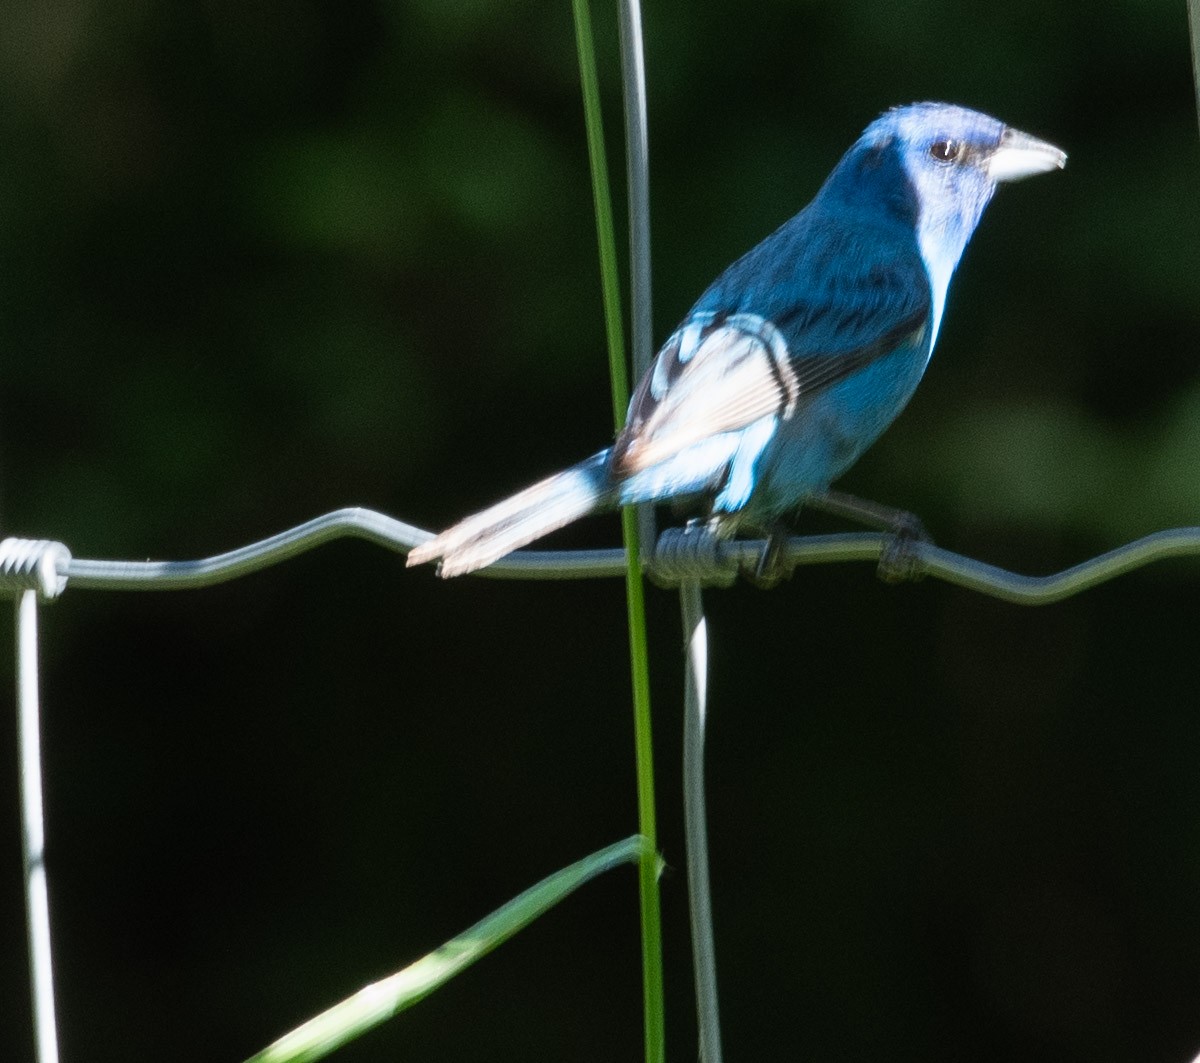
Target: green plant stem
{"x": 605, "y": 234}
{"x": 652, "y": 971}
{"x": 652, "y": 967}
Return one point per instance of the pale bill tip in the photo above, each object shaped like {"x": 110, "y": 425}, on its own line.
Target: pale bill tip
{"x": 1020, "y": 155}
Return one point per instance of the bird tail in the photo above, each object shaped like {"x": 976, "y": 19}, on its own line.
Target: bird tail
{"x": 538, "y": 510}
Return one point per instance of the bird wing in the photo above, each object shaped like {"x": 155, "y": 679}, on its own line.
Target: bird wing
{"x": 722, "y": 371}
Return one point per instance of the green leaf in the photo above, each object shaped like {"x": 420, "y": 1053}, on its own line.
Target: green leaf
{"x": 379, "y": 1001}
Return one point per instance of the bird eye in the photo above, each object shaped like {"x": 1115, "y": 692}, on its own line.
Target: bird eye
{"x": 944, "y": 150}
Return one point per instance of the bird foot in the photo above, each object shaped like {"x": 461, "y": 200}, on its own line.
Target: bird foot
{"x": 771, "y": 568}
{"x": 900, "y": 560}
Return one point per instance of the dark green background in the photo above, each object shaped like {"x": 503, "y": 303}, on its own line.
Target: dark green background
{"x": 262, "y": 260}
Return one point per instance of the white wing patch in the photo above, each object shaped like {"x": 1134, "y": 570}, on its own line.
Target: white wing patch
{"x": 713, "y": 375}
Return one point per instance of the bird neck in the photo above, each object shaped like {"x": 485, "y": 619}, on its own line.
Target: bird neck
{"x": 940, "y": 263}
{"x": 943, "y": 229}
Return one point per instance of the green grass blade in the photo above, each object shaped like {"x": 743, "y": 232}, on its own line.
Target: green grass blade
{"x": 652, "y": 961}
{"x": 605, "y": 233}
{"x": 652, "y": 966}
{"x": 379, "y": 1001}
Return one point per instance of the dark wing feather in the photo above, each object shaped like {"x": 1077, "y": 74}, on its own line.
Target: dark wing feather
{"x": 799, "y": 314}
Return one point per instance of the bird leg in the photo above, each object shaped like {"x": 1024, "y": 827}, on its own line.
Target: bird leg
{"x": 872, "y": 514}
{"x": 771, "y": 567}
{"x": 899, "y": 562}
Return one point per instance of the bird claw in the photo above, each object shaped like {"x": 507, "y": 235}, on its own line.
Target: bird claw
{"x": 771, "y": 568}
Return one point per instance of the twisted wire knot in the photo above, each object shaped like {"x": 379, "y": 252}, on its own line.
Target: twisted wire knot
{"x": 693, "y": 554}
{"x": 33, "y": 564}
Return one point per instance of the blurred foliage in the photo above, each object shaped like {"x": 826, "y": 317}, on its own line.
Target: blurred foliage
{"x": 262, "y": 260}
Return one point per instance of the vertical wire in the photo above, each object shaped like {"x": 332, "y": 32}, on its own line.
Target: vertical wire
{"x": 691, "y": 604}
{"x": 651, "y": 912}
{"x": 704, "y": 955}
{"x": 637, "y": 171}
{"x": 33, "y": 835}
{"x": 633, "y": 92}
{"x": 1194, "y": 26}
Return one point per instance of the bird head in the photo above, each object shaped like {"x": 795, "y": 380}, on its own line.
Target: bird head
{"x": 936, "y": 167}
{"x": 954, "y": 158}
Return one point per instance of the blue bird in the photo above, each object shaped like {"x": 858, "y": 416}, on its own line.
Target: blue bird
{"x": 800, "y": 354}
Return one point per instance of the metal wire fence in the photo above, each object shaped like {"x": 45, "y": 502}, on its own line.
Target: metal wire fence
{"x": 681, "y": 555}
{"x": 34, "y": 572}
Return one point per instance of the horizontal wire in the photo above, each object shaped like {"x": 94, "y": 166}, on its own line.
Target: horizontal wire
{"x": 717, "y": 562}
{"x": 350, "y": 523}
